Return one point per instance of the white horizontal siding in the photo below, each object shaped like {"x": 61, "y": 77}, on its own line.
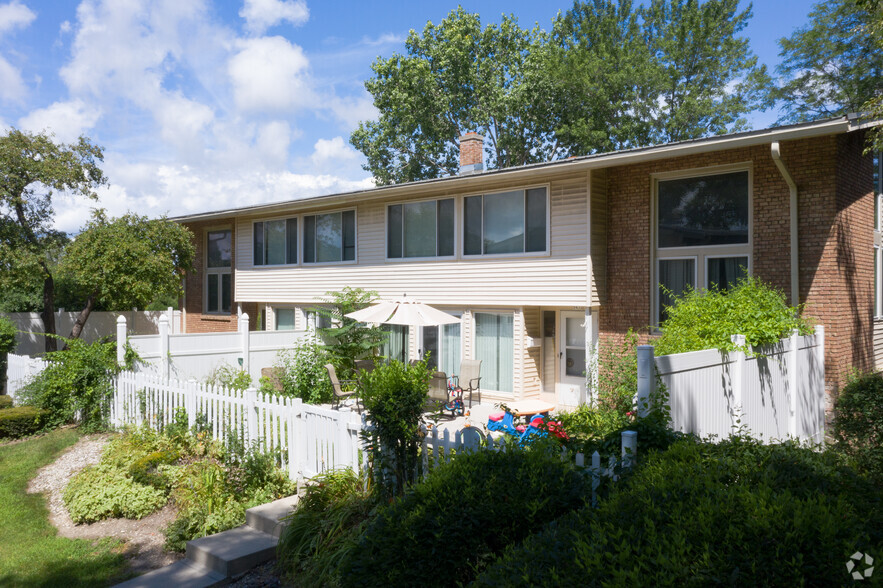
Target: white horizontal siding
{"x": 557, "y": 279}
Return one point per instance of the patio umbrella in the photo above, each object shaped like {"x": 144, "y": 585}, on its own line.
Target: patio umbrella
{"x": 403, "y": 312}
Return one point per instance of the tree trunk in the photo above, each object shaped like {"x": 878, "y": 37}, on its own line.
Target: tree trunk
{"x": 48, "y": 314}
{"x": 83, "y": 317}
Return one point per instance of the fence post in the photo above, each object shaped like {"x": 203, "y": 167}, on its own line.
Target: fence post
{"x": 738, "y": 377}
{"x": 646, "y": 378}
{"x": 121, "y": 340}
{"x": 251, "y": 398}
{"x": 629, "y": 448}
{"x": 170, "y": 312}
{"x": 164, "y": 346}
{"x": 793, "y": 359}
{"x": 821, "y": 398}
{"x": 243, "y": 330}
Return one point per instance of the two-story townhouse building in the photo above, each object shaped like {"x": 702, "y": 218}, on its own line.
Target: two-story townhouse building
{"x": 543, "y": 261}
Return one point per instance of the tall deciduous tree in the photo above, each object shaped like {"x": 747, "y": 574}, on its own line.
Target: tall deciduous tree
{"x": 874, "y": 106}
{"x": 833, "y": 65}
{"x": 458, "y": 77}
{"x": 127, "y": 262}
{"x": 672, "y": 71}
{"x": 33, "y": 168}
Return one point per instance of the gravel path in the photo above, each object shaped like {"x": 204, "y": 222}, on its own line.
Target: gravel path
{"x": 144, "y": 538}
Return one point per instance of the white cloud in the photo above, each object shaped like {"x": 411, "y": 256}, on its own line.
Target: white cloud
{"x": 68, "y": 120}
{"x": 12, "y": 87}
{"x": 332, "y": 150}
{"x": 260, "y": 15}
{"x": 65, "y": 27}
{"x": 273, "y": 141}
{"x": 270, "y": 74}
{"x": 353, "y": 110}
{"x": 15, "y": 15}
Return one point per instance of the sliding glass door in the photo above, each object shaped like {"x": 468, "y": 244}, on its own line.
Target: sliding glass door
{"x": 494, "y": 347}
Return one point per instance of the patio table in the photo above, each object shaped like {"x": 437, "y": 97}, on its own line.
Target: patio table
{"x": 530, "y": 407}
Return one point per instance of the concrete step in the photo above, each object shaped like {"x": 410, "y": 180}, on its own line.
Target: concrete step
{"x": 267, "y": 517}
{"x": 233, "y": 552}
{"x": 181, "y": 574}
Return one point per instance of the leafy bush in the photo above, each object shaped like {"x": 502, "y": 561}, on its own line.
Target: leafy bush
{"x": 5, "y": 401}
{"x": 858, "y": 422}
{"x": 348, "y": 340}
{"x": 705, "y": 319}
{"x": 394, "y": 396}
{"x": 303, "y": 373}
{"x": 146, "y": 471}
{"x": 7, "y": 345}
{"x": 77, "y": 380}
{"x": 737, "y": 513}
{"x": 616, "y": 366}
{"x": 103, "y": 492}
{"x": 323, "y": 530}
{"x": 448, "y": 528}
{"x": 229, "y": 377}
{"x": 21, "y": 421}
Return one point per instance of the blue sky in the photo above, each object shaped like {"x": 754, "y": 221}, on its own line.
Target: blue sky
{"x": 205, "y": 105}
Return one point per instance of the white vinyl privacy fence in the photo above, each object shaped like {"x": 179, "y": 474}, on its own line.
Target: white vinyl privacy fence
{"x": 19, "y": 371}
{"x": 776, "y": 395}
{"x": 196, "y": 355}
{"x": 310, "y": 439}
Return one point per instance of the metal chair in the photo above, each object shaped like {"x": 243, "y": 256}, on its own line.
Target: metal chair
{"x": 438, "y": 392}
{"x": 469, "y": 378}
{"x": 342, "y": 389}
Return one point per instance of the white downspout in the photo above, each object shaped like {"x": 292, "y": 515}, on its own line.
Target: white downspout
{"x": 795, "y": 282}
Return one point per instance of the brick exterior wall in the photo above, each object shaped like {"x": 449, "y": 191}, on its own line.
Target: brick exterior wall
{"x": 835, "y": 226}
{"x": 471, "y": 149}
{"x": 194, "y": 284}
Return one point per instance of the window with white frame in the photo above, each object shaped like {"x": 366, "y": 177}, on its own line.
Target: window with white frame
{"x": 330, "y": 237}
{"x": 494, "y": 346}
{"x": 275, "y": 242}
{"x": 702, "y": 228}
{"x": 420, "y": 229}
{"x": 284, "y": 319}
{"x": 218, "y": 276}
{"x": 506, "y": 222}
{"x": 444, "y": 346}
{"x": 317, "y": 320}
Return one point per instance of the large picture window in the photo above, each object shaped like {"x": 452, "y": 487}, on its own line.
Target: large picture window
{"x": 507, "y": 222}
{"x": 218, "y": 279}
{"x": 330, "y": 237}
{"x": 702, "y": 234}
{"x": 275, "y": 242}
{"x": 420, "y": 229}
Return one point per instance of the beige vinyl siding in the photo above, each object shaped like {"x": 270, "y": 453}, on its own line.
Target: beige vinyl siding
{"x": 531, "y": 356}
{"x": 598, "y": 236}
{"x": 517, "y": 354}
{"x": 878, "y": 344}
{"x": 557, "y": 279}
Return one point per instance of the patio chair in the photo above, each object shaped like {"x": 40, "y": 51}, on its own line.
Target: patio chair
{"x": 438, "y": 392}
{"x": 342, "y": 389}
{"x": 469, "y": 378}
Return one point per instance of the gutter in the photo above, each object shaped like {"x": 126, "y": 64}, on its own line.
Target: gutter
{"x": 792, "y": 187}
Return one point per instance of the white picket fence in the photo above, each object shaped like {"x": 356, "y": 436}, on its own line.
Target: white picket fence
{"x": 19, "y": 371}
{"x": 773, "y": 396}
{"x": 196, "y": 355}
{"x": 310, "y": 439}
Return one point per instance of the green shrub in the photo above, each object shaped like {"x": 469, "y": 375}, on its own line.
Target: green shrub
{"x": 858, "y": 422}
{"x": 348, "y": 340}
{"x": 450, "y": 526}
{"x": 77, "y": 379}
{"x": 103, "y": 492}
{"x": 145, "y": 471}
{"x": 738, "y": 513}
{"x": 303, "y": 373}
{"x": 322, "y": 531}
{"x": 21, "y": 421}
{"x": 5, "y": 401}
{"x": 705, "y": 319}
{"x": 8, "y": 333}
{"x": 394, "y": 396}
{"x": 229, "y": 377}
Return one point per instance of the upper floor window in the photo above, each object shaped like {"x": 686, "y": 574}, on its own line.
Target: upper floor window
{"x": 330, "y": 237}
{"x": 506, "y": 222}
{"x": 420, "y": 229}
{"x": 702, "y": 234}
{"x": 218, "y": 278}
{"x": 275, "y": 242}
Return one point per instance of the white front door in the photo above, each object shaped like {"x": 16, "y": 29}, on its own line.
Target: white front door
{"x": 572, "y": 357}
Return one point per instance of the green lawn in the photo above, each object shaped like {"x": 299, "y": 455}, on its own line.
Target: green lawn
{"x": 31, "y": 553}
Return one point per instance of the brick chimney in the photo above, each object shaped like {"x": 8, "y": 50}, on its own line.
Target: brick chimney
{"x": 471, "y": 153}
